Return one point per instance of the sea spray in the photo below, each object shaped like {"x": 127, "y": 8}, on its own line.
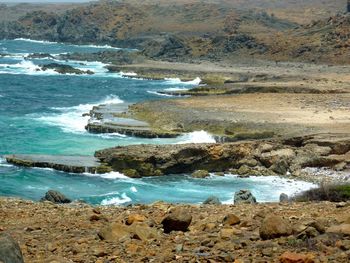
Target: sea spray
{"x": 71, "y": 119}
{"x": 197, "y": 137}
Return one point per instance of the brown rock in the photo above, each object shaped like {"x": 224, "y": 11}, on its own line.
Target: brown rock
{"x": 340, "y": 229}
{"x": 134, "y": 218}
{"x": 274, "y": 226}
{"x": 231, "y": 220}
{"x": 289, "y": 257}
{"x": 178, "y": 219}
{"x": 117, "y": 231}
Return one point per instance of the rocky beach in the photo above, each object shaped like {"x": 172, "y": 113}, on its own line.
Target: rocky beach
{"x": 171, "y": 129}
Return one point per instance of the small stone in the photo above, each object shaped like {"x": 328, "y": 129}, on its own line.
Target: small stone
{"x": 274, "y": 226}
{"x": 178, "y": 219}
{"x": 135, "y": 218}
{"x": 284, "y": 198}
{"x": 179, "y": 248}
{"x": 231, "y": 220}
{"x": 227, "y": 233}
{"x": 95, "y": 218}
{"x": 212, "y": 200}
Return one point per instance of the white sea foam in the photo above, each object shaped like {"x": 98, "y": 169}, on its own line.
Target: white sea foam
{"x": 116, "y": 200}
{"x": 159, "y": 94}
{"x": 176, "y": 89}
{"x": 25, "y": 67}
{"x": 197, "y": 137}
{"x": 34, "y": 41}
{"x": 4, "y": 163}
{"x": 111, "y": 175}
{"x": 177, "y": 81}
{"x": 51, "y": 42}
{"x": 128, "y": 74}
{"x": 133, "y": 189}
{"x": 70, "y": 119}
{"x": 279, "y": 185}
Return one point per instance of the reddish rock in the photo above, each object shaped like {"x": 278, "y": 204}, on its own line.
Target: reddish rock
{"x": 290, "y": 257}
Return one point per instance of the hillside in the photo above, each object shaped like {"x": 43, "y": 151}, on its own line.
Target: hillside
{"x": 187, "y": 30}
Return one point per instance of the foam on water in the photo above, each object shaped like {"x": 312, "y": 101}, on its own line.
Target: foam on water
{"x": 159, "y": 94}
{"x": 70, "y": 119}
{"x": 133, "y": 189}
{"x": 178, "y": 81}
{"x": 197, "y": 137}
{"x": 111, "y": 175}
{"x": 51, "y": 42}
{"x": 128, "y": 74}
{"x": 270, "y": 187}
{"x": 176, "y": 89}
{"x": 117, "y": 200}
{"x": 34, "y": 41}
{"x": 4, "y": 163}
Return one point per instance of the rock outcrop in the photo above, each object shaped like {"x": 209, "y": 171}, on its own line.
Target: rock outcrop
{"x": 246, "y": 157}
{"x": 56, "y": 197}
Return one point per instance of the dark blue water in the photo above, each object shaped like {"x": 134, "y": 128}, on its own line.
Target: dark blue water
{"x": 41, "y": 112}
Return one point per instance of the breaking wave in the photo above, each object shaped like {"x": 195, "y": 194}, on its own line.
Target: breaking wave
{"x": 70, "y": 119}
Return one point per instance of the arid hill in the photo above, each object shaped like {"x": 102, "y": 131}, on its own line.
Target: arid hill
{"x": 187, "y": 30}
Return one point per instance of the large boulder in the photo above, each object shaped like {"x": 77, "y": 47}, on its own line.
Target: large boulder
{"x": 56, "y": 197}
{"x": 10, "y": 251}
{"x": 244, "y": 197}
{"x": 274, "y": 226}
{"x": 177, "y": 219}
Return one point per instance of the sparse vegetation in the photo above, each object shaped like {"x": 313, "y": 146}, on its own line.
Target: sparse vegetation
{"x": 333, "y": 193}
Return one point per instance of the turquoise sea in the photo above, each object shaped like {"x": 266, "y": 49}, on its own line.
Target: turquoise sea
{"x": 41, "y": 112}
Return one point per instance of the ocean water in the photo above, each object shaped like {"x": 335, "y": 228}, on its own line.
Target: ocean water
{"x": 41, "y": 112}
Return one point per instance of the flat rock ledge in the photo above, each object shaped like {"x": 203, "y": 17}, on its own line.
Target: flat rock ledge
{"x": 70, "y": 164}
{"x": 105, "y": 119}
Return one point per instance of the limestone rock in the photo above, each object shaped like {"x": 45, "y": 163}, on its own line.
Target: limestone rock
{"x": 56, "y": 197}
{"x": 10, "y": 251}
{"x": 244, "y": 197}
{"x": 177, "y": 220}
{"x": 274, "y": 226}
{"x": 200, "y": 174}
{"x": 212, "y": 200}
